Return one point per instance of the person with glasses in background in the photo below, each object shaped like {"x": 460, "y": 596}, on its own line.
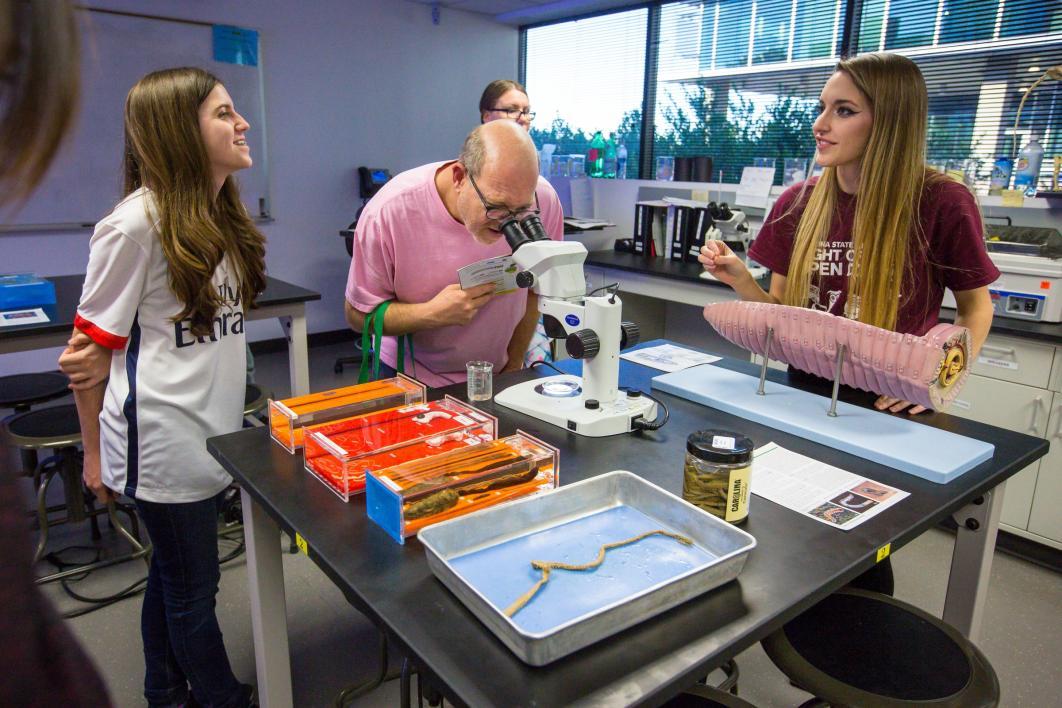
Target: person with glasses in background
{"x": 504, "y": 98}
{"x": 507, "y": 99}
{"x": 424, "y": 225}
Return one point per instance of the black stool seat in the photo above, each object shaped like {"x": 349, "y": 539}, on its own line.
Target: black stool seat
{"x": 706, "y": 697}
{"x": 56, "y": 426}
{"x": 24, "y": 390}
{"x": 867, "y": 649}
{"x": 255, "y": 399}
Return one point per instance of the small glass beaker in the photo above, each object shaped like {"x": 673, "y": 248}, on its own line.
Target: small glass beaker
{"x": 480, "y": 380}
{"x": 578, "y": 165}
{"x": 560, "y": 166}
{"x": 665, "y": 168}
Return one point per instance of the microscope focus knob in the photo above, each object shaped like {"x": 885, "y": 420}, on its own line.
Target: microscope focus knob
{"x": 629, "y": 334}
{"x": 583, "y": 344}
{"x": 525, "y": 279}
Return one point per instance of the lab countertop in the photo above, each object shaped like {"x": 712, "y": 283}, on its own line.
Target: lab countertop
{"x": 690, "y": 272}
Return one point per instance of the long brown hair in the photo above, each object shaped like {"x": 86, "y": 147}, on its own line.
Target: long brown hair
{"x": 893, "y": 176}
{"x": 39, "y": 78}
{"x": 495, "y": 90}
{"x": 164, "y": 151}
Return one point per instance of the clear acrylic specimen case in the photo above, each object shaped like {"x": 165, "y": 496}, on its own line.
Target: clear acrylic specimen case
{"x": 341, "y": 452}
{"x": 288, "y": 417}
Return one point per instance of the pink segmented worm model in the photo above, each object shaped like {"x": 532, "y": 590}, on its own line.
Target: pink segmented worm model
{"x": 928, "y": 370}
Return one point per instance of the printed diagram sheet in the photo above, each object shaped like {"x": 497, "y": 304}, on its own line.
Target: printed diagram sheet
{"x": 668, "y": 357}
{"x": 809, "y": 487}
{"x": 34, "y": 315}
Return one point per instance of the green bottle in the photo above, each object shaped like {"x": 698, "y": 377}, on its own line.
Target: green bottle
{"x": 595, "y": 158}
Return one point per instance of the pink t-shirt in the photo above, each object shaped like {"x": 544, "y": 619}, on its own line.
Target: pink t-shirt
{"x": 407, "y": 248}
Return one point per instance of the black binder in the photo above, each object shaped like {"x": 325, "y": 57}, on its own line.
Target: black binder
{"x": 681, "y": 231}
{"x": 700, "y": 222}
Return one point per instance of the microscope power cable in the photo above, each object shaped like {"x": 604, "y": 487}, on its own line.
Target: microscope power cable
{"x": 659, "y": 422}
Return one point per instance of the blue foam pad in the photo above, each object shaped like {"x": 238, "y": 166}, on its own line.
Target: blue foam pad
{"x": 503, "y": 572}
{"x": 891, "y": 440}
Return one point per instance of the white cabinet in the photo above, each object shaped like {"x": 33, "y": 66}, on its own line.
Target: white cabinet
{"x": 1017, "y": 360}
{"x": 1017, "y": 384}
{"x": 1045, "y": 519}
{"x": 1015, "y": 407}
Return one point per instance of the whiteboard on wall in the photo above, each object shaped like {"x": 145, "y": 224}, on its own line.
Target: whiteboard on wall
{"x": 85, "y": 181}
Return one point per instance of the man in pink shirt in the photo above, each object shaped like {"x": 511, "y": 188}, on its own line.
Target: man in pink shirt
{"x": 428, "y": 222}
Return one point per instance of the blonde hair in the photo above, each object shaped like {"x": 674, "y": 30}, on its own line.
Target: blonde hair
{"x": 886, "y": 229}
{"x": 164, "y": 151}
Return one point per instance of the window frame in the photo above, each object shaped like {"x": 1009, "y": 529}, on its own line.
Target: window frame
{"x": 846, "y": 43}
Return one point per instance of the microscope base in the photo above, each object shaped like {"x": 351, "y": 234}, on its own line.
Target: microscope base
{"x": 571, "y": 413}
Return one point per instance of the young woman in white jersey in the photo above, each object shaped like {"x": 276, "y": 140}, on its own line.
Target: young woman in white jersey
{"x": 157, "y": 361}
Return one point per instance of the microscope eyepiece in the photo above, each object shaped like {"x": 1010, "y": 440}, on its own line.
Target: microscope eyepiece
{"x": 514, "y": 234}
{"x": 534, "y": 229}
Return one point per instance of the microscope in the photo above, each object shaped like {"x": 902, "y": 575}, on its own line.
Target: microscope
{"x": 731, "y": 226}
{"x": 590, "y": 325}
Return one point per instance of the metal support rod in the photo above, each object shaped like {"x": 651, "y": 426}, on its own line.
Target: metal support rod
{"x": 766, "y": 358}
{"x": 836, "y": 381}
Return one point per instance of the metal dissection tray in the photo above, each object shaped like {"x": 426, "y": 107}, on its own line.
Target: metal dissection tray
{"x": 485, "y": 559}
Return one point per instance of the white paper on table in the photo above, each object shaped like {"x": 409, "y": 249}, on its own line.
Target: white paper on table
{"x": 668, "y": 357}
{"x": 586, "y": 224}
{"x": 756, "y": 272}
{"x": 755, "y": 186}
{"x": 500, "y": 270}
{"x": 11, "y": 318}
{"x": 582, "y": 198}
{"x": 822, "y": 492}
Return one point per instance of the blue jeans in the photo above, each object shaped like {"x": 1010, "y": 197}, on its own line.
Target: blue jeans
{"x": 182, "y": 639}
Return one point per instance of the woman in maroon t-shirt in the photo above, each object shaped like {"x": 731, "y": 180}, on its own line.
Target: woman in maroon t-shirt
{"x": 878, "y": 236}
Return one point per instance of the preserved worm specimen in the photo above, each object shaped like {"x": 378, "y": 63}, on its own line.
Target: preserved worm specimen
{"x": 545, "y": 567}
{"x": 928, "y": 370}
{"x": 460, "y": 480}
{"x": 432, "y": 504}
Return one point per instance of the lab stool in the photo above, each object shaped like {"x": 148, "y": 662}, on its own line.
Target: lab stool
{"x": 255, "y": 400}
{"x": 860, "y": 648}
{"x": 23, "y": 391}
{"x": 701, "y": 696}
{"x": 58, "y": 430}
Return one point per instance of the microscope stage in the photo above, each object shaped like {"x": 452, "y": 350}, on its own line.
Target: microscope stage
{"x": 559, "y": 400}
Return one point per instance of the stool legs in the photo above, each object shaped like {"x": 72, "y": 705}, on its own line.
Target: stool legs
{"x": 79, "y": 507}
{"x": 45, "y": 477}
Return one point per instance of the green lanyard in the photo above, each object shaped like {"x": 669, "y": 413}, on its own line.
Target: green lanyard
{"x": 371, "y": 339}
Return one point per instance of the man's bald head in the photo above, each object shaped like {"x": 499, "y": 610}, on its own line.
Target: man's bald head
{"x": 499, "y": 143}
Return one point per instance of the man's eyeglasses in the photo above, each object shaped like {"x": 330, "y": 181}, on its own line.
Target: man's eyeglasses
{"x": 515, "y": 113}
{"x": 500, "y": 213}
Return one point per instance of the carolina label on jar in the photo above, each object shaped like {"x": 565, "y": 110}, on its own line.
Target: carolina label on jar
{"x": 722, "y": 442}
{"x": 737, "y": 494}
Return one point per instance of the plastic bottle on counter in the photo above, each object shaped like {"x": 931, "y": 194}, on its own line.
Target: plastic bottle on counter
{"x": 1027, "y": 169}
{"x": 610, "y": 158}
{"x": 621, "y": 161}
{"x": 595, "y": 157}
{"x": 1001, "y": 171}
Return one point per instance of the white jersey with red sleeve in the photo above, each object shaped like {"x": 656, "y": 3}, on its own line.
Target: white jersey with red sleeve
{"x": 168, "y": 390}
